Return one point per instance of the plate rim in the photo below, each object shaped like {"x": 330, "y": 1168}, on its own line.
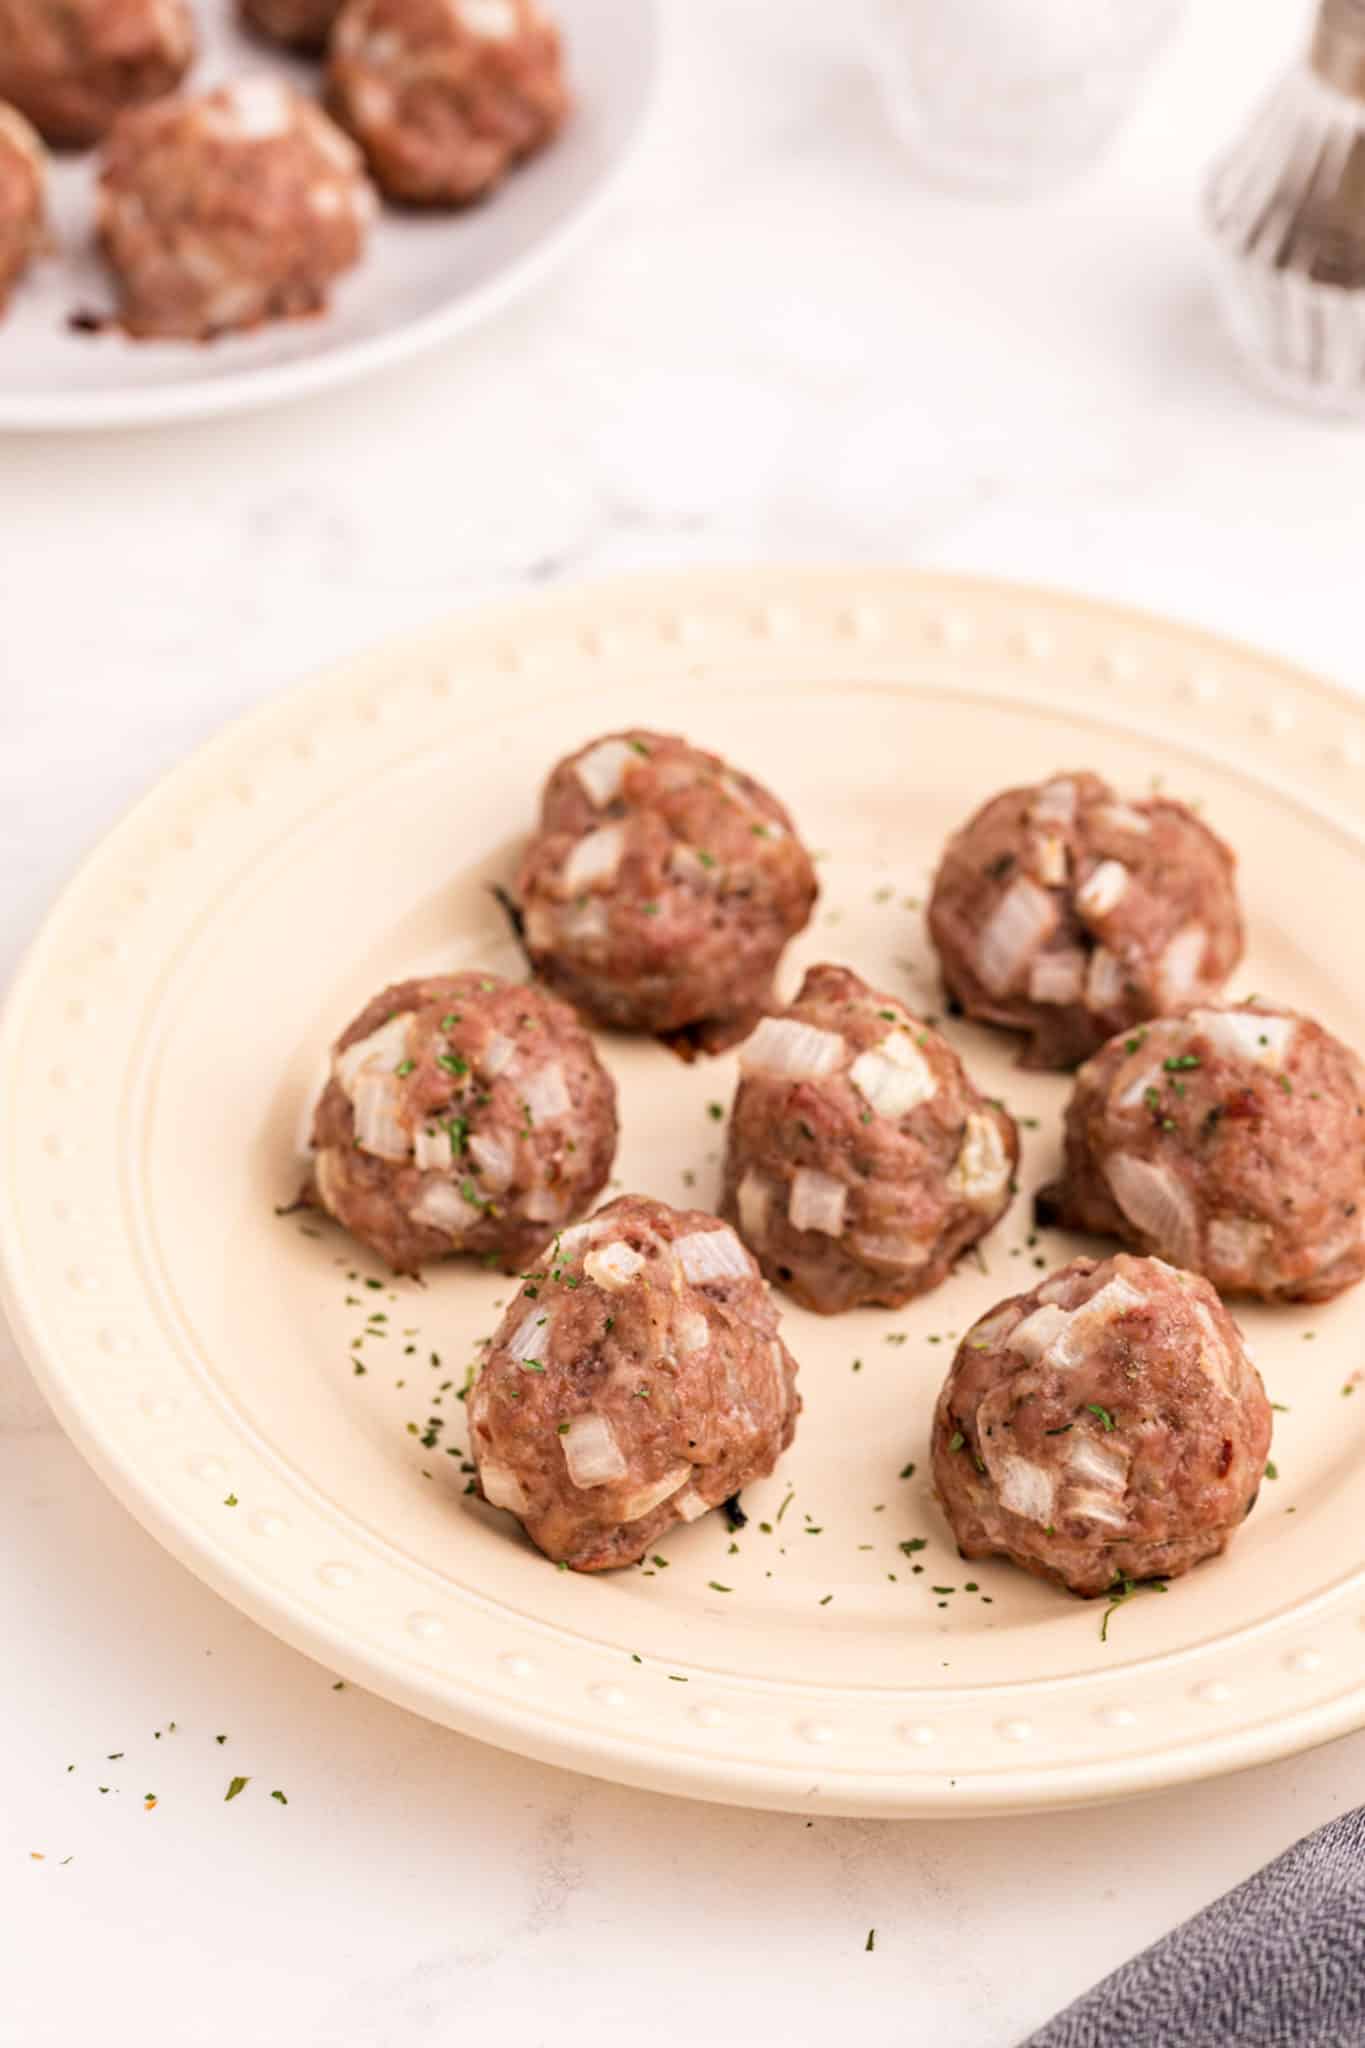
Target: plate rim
{"x": 826, "y": 1786}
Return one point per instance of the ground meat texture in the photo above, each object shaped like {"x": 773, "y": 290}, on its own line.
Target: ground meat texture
{"x": 446, "y": 96}
{"x": 463, "y": 1114}
{"x": 861, "y": 1161}
{"x": 1230, "y": 1140}
{"x": 298, "y": 24}
{"x": 636, "y": 1380}
{"x": 1108, "y": 1426}
{"x": 662, "y": 886}
{"x": 224, "y": 212}
{"x": 71, "y": 66}
{"x": 1065, "y": 913}
{"x": 21, "y": 198}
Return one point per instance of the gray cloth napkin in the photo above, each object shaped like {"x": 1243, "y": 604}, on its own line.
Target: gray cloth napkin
{"x": 1278, "y": 1963}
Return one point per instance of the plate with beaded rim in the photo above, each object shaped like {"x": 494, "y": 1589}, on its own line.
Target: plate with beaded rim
{"x": 426, "y": 276}
{"x": 201, "y": 1349}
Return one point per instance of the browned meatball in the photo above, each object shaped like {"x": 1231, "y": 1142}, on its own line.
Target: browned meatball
{"x": 861, "y": 1161}
{"x": 72, "y": 65}
{"x": 446, "y": 96}
{"x": 636, "y": 1381}
{"x": 662, "y": 887}
{"x": 298, "y": 24}
{"x": 21, "y": 198}
{"x": 464, "y": 1114}
{"x": 222, "y": 212}
{"x": 1108, "y": 1426}
{"x": 1230, "y": 1140}
{"x": 1065, "y": 913}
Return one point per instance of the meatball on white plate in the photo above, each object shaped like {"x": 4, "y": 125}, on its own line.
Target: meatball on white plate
{"x": 1107, "y": 1426}
{"x": 637, "y": 1380}
{"x": 1066, "y": 913}
{"x": 662, "y": 886}
{"x": 72, "y": 66}
{"x": 1231, "y": 1140}
{"x": 861, "y": 1161}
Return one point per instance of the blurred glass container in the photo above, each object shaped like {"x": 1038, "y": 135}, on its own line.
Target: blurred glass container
{"x": 1286, "y": 206}
{"x": 1012, "y": 95}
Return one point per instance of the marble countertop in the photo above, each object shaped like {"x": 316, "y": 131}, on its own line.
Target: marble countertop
{"x": 779, "y": 344}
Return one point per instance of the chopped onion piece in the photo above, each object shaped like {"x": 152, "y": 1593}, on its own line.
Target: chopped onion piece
{"x": 382, "y": 1052}
{"x": 1056, "y": 1289}
{"x": 497, "y": 1055}
{"x": 1095, "y": 1505}
{"x": 687, "y": 864}
{"x": 1236, "y": 1245}
{"x": 817, "y": 1202}
{"x": 1116, "y": 1298}
{"x": 1014, "y": 933}
{"x": 541, "y": 927}
{"x": 1026, "y": 1489}
{"x": 494, "y": 1159}
{"x": 580, "y": 1234}
{"x": 1039, "y": 1332}
{"x": 1100, "y": 1462}
{"x": 545, "y": 1093}
{"x": 1246, "y": 1034}
{"x": 1180, "y": 969}
{"x": 1102, "y": 889}
{"x": 1104, "y": 982}
{"x": 707, "y": 1255}
{"x": 614, "y": 1267}
{"x": 889, "y": 1248}
{"x": 1157, "y": 1204}
{"x": 754, "y": 1200}
{"x": 1135, "y": 1094}
{"x": 432, "y": 1149}
{"x": 792, "y": 1050}
{"x": 602, "y": 771}
{"x": 1121, "y": 818}
{"x": 591, "y": 1452}
{"x": 379, "y": 1126}
{"x": 502, "y": 1488}
{"x": 690, "y": 1505}
{"x": 691, "y": 1332}
{"x": 1054, "y": 802}
{"x": 528, "y": 1341}
{"x": 329, "y": 1177}
{"x": 543, "y": 1205}
{"x": 894, "y": 1077}
{"x": 595, "y": 858}
{"x": 1051, "y": 863}
{"x": 584, "y": 924}
{"x": 444, "y": 1208}
{"x": 1213, "y": 1352}
{"x": 993, "y": 1329}
{"x": 647, "y": 1498}
{"x": 982, "y": 1166}
{"x": 1057, "y": 978}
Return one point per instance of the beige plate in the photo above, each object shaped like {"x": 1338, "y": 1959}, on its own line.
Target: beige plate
{"x": 163, "y": 1040}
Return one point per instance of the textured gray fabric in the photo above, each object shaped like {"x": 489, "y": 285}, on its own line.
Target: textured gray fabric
{"x": 1278, "y": 1963}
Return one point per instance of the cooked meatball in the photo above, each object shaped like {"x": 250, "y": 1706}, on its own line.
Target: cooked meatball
{"x": 636, "y": 1381}
{"x": 1108, "y": 1426}
{"x": 861, "y": 1161}
{"x": 222, "y": 212}
{"x": 72, "y": 65}
{"x": 463, "y": 1114}
{"x": 21, "y": 198}
{"x": 662, "y": 886}
{"x": 298, "y": 24}
{"x": 1229, "y": 1140}
{"x": 446, "y": 96}
{"x": 1065, "y": 913}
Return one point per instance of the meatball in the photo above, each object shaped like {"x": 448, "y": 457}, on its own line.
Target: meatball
{"x": 446, "y": 96}
{"x": 1230, "y": 1140}
{"x": 21, "y": 198}
{"x": 861, "y": 1161}
{"x": 463, "y": 1114}
{"x": 298, "y": 24}
{"x": 72, "y": 65}
{"x": 221, "y": 212}
{"x": 1062, "y": 912}
{"x": 636, "y": 1381}
{"x": 662, "y": 886}
{"x": 1108, "y": 1426}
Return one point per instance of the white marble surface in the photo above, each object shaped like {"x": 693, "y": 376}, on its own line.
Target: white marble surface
{"x": 780, "y": 344}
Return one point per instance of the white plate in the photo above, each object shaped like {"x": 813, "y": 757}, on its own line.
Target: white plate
{"x": 425, "y": 277}
{"x": 162, "y": 1043}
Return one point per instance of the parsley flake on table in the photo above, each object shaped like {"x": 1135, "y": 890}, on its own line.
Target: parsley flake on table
{"x": 237, "y": 1785}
